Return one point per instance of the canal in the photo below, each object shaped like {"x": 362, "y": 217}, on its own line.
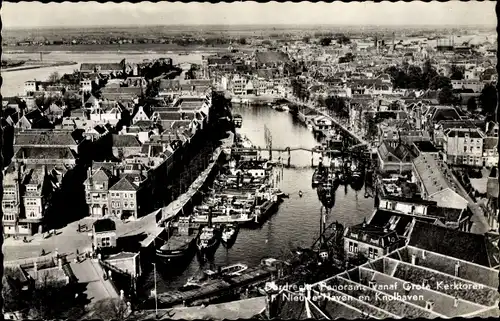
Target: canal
{"x": 296, "y": 223}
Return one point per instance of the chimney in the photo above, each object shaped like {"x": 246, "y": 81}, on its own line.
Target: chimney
{"x": 35, "y": 269}
{"x": 457, "y": 268}
{"x": 59, "y": 263}
{"x": 413, "y": 259}
{"x": 423, "y": 254}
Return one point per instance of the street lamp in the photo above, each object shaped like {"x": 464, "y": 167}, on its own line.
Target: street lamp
{"x": 156, "y": 294}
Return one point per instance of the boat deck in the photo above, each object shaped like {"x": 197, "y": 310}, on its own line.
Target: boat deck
{"x": 214, "y": 288}
{"x": 177, "y": 242}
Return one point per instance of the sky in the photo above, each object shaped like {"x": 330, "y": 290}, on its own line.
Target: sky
{"x": 34, "y": 14}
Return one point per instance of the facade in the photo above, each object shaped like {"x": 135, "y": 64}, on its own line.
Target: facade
{"x": 104, "y": 234}
{"x": 96, "y": 191}
{"x": 395, "y": 159}
{"x": 11, "y": 201}
{"x": 128, "y": 197}
{"x": 490, "y": 152}
{"x": 369, "y": 241}
{"x": 463, "y": 146}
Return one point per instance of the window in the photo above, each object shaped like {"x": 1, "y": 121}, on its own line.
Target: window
{"x": 132, "y": 204}
{"x": 106, "y": 242}
{"x": 351, "y": 247}
{"x": 372, "y": 252}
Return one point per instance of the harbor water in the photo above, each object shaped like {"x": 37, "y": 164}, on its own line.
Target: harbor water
{"x": 296, "y": 223}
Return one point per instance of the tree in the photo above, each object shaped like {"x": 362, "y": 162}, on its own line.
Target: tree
{"x": 488, "y": 99}
{"x": 457, "y": 73}
{"x": 343, "y": 40}
{"x": 326, "y": 41}
{"x": 440, "y": 82}
{"x": 471, "y": 104}
{"x": 306, "y": 39}
{"x": 242, "y": 41}
{"x": 111, "y": 309}
{"x": 371, "y": 127}
{"x": 54, "y": 77}
{"x": 446, "y": 97}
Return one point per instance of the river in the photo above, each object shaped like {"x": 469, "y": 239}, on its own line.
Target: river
{"x": 13, "y": 81}
{"x": 296, "y": 223}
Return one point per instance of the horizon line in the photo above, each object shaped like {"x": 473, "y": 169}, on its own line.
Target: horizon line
{"x": 487, "y": 25}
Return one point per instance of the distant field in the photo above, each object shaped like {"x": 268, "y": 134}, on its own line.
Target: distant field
{"x": 125, "y": 47}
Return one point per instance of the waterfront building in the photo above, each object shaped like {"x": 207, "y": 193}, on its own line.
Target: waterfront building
{"x": 104, "y": 234}
{"x": 433, "y": 178}
{"x": 369, "y": 241}
{"x": 11, "y": 200}
{"x": 397, "y": 159}
{"x": 463, "y": 146}
{"x": 26, "y": 197}
{"x": 128, "y": 198}
{"x": 103, "y": 68}
{"x": 96, "y": 190}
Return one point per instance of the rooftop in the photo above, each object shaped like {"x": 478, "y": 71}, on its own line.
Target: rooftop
{"x": 425, "y": 147}
{"x": 399, "y": 278}
{"x": 453, "y": 243}
{"x": 431, "y": 171}
{"x": 104, "y": 225}
{"x": 44, "y": 137}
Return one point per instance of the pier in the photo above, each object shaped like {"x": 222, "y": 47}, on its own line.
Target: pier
{"x": 152, "y": 223}
{"x": 215, "y": 289}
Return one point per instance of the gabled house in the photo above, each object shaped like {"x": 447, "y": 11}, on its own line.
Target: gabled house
{"x": 96, "y": 190}
{"x": 106, "y": 113}
{"x": 395, "y": 159}
{"x": 369, "y": 241}
{"x": 34, "y": 119}
{"x": 12, "y": 198}
{"x": 54, "y": 112}
{"x": 129, "y": 197}
{"x": 124, "y": 146}
{"x": 35, "y": 200}
{"x": 139, "y": 115}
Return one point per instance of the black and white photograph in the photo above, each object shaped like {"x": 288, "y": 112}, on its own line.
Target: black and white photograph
{"x": 246, "y": 160}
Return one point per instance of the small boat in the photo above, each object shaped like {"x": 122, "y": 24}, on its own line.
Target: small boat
{"x": 281, "y": 108}
{"x": 237, "y": 120}
{"x": 300, "y": 193}
{"x": 209, "y": 238}
{"x": 230, "y": 270}
{"x": 229, "y": 234}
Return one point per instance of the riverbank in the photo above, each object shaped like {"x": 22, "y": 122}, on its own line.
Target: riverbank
{"x": 47, "y": 65}
{"x": 131, "y": 47}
